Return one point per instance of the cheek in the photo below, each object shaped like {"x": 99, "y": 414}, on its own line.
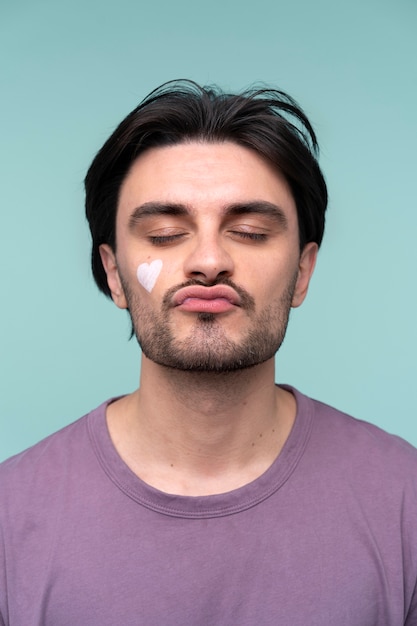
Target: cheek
{"x": 148, "y": 273}
{"x": 269, "y": 276}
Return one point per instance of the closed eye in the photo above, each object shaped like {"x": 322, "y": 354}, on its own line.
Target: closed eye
{"x": 244, "y": 234}
{"x": 160, "y": 240}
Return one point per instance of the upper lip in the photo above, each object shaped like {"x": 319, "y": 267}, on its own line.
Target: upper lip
{"x": 206, "y": 293}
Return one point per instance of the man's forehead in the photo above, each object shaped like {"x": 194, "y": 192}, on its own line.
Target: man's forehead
{"x": 168, "y": 174}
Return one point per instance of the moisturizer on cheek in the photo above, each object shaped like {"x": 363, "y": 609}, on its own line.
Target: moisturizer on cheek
{"x": 148, "y": 273}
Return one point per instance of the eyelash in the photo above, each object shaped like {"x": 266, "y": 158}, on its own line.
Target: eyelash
{"x": 252, "y": 236}
{"x": 160, "y": 240}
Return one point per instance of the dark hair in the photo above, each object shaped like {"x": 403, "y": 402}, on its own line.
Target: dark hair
{"x": 265, "y": 120}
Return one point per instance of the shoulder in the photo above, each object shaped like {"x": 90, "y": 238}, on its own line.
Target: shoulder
{"x": 39, "y": 469}
{"x": 356, "y": 432}
{"x": 357, "y": 448}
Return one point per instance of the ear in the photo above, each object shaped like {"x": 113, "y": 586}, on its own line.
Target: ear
{"x": 306, "y": 266}
{"x": 108, "y": 259}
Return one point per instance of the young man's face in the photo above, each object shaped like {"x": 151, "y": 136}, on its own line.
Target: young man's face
{"x": 207, "y": 256}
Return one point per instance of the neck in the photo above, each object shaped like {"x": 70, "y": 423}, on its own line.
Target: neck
{"x": 206, "y": 394}
{"x": 197, "y": 433}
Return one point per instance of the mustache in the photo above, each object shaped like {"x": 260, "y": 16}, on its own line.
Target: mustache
{"x": 246, "y": 300}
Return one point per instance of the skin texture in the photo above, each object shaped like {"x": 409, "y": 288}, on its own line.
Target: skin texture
{"x": 214, "y": 214}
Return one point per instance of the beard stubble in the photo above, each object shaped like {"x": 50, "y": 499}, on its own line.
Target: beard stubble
{"x": 207, "y": 348}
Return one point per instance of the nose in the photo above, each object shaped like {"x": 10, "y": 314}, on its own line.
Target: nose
{"x": 208, "y": 260}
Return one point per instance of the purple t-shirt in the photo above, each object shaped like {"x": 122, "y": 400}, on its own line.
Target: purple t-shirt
{"x": 327, "y": 536}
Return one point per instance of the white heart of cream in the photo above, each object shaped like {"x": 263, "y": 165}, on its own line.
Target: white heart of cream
{"x": 147, "y": 274}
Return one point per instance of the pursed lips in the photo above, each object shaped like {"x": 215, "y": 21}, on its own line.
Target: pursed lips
{"x": 215, "y": 299}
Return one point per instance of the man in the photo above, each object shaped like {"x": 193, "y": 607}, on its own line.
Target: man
{"x": 210, "y": 495}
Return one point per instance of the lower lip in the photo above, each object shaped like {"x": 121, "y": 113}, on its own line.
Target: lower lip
{"x": 200, "y": 305}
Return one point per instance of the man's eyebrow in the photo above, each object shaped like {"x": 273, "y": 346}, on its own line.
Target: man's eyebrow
{"x": 259, "y": 207}
{"x": 149, "y": 209}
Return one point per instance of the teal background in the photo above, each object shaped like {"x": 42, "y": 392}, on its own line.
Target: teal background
{"x": 70, "y": 72}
